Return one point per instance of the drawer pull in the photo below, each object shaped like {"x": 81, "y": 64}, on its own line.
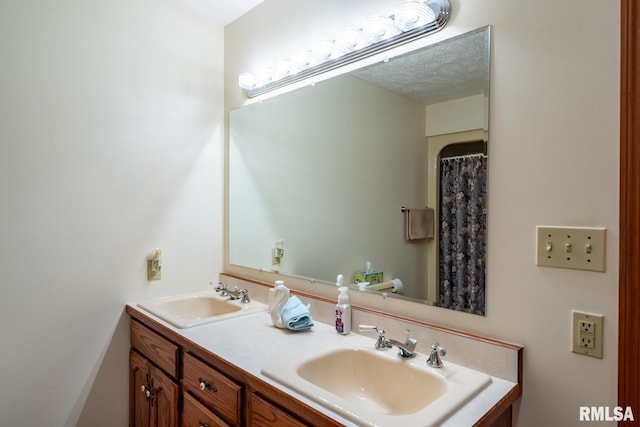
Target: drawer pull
{"x": 206, "y": 385}
{"x": 202, "y": 424}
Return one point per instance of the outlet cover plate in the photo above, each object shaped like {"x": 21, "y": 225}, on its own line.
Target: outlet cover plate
{"x": 587, "y": 333}
{"x": 581, "y": 248}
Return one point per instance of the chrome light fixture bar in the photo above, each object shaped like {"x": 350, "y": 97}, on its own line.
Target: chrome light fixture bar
{"x": 412, "y": 20}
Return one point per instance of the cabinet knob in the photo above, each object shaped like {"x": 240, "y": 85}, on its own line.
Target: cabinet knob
{"x": 206, "y": 385}
{"x": 145, "y": 390}
{"x": 202, "y": 424}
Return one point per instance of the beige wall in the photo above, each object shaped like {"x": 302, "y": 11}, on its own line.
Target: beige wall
{"x": 263, "y": 159}
{"x": 459, "y": 115}
{"x": 553, "y": 149}
{"x": 110, "y": 145}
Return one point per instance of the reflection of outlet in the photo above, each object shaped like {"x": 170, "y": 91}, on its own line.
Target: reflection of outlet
{"x": 277, "y": 252}
{"x": 587, "y": 334}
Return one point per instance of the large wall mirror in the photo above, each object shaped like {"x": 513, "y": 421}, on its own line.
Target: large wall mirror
{"x": 318, "y": 176}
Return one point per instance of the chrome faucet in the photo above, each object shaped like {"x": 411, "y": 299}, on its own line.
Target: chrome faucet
{"x": 407, "y": 348}
{"x": 434, "y": 358}
{"x": 241, "y": 294}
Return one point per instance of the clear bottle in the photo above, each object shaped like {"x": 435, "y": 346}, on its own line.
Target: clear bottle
{"x": 343, "y": 312}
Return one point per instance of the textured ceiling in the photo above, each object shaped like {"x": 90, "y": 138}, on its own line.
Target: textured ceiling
{"x": 448, "y": 70}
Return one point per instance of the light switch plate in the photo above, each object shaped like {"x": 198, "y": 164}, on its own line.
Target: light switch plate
{"x": 581, "y": 248}
{"x": 587, "y": 334}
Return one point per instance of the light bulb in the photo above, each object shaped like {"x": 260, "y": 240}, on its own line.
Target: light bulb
{"x": 247, "y": 81}
{"x": 326, "y": 50}
{"x": 262, "y": 75}
{"x": 413, "y": 14}
{"x": 380, "y": 27}
{"x": 300, "y": 59}
{"x": 281, "y": 68}
{"x": 350, "y": 40}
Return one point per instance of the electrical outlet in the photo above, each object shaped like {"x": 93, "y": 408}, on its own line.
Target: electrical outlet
{"x": 587, "y": 334}
{"x": 585, "y": 326}
{"x": 587, "y": 341}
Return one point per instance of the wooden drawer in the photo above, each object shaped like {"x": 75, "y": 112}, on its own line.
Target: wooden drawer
{"x": 218, "y": 393}
{"x": 160, "y": 351}
{"x": 194, "y": 414}
{"x": 263, "y": 413}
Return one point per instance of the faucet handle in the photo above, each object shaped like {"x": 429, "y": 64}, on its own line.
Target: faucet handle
{"x": 222, "y": 288}
{"x": 382, "y": 343}
{"x": 434, "y": 358}
{"x": 245, "y": 296}
{"x": 371, "y": 328}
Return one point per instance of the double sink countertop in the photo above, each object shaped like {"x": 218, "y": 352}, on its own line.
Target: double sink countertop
{"x": 251, "y": 342}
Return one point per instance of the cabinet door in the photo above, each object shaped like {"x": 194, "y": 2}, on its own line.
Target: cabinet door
{"x": 164, "y": 399}
{"x": 194, "y": 414}
{"x": 264, "y": 414}
{"x": 138, "y": 380}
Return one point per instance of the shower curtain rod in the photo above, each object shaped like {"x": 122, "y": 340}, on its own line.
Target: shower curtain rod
{"x": 465, "y": 156}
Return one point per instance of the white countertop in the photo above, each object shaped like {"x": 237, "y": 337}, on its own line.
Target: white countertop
{"x": 251, "y": 342}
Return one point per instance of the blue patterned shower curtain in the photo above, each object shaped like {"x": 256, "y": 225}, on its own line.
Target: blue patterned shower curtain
{"x": 463, "y": 224}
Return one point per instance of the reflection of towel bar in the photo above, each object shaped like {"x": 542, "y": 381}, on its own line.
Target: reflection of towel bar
{"x": 405, "y": 209}
{"x": 384, "y": 286}
{"x": 394, "y": 286}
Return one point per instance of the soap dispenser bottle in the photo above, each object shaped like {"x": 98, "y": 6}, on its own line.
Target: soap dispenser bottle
{"x": 343, "y": 312}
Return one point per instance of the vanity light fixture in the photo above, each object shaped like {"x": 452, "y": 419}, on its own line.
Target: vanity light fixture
{"x": 412, "y": 19}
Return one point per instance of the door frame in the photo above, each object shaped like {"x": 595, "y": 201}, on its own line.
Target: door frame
{"x": 629, "y": 262}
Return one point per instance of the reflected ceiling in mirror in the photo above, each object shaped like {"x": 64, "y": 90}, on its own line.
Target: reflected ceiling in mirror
{"x": 317, "y": 177}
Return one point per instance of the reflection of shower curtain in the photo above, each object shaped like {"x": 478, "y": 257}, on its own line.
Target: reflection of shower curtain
{"x": 463, "y": 223}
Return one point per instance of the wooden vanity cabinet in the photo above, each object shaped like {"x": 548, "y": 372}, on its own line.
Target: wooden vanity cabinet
{"x": 174, "y": 382}
{"x": 153, "y": 391}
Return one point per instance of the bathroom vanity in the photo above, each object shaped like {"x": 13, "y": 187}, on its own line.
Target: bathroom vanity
{"x": 212, "y": 374}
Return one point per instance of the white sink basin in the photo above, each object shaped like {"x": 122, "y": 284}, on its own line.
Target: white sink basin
{"x": 377, "y": 388}
{"x": 185, "y": 311}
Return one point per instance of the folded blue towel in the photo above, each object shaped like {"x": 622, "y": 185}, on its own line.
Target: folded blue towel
{"x": 296, "y": 315}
